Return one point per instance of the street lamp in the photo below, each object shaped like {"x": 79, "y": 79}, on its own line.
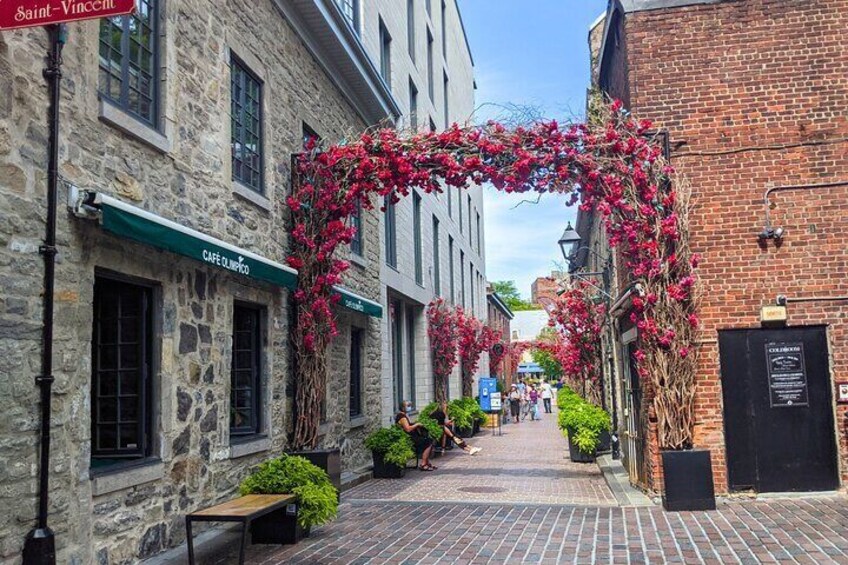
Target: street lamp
{"x": 567, "y": 241}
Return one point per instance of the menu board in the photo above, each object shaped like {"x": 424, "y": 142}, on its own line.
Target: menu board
{"x": 787, "y": 375}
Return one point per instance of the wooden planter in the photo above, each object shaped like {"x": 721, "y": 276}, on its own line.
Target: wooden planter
{"x": 383, "y": 470}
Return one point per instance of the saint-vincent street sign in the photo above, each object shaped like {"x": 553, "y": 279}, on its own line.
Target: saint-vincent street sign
{"x": 28, "y": 13}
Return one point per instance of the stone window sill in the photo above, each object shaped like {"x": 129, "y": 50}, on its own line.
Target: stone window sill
{"x": 123, "y": 477}
{"x": 358, "y": 422}
{"x": 252, "y": 196}
{"x": 358, "y": 260}
{"x": 250, "y": 447}
{"x": 123, "y": 121}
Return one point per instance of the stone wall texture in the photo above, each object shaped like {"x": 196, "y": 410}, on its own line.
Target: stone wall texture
{"x": 753, "y": 94}
{"x": 123, "y": 517}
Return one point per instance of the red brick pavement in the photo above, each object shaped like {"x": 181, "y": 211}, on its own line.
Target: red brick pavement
{"x": 428, "y": 518}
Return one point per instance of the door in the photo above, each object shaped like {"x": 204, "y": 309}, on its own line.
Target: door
{"x": 635, "y": 441}
{"x": 778, "y": 412}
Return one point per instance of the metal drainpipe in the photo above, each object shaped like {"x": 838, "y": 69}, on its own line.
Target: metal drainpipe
{"x": 39, "y": 547}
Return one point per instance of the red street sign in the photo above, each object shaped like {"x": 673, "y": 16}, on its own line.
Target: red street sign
{"x": 29, "y": 13}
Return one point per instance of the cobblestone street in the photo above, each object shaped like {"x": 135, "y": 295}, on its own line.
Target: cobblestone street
{"x": 537, "y": 507}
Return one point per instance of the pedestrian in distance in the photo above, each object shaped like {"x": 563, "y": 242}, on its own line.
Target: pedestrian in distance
{"x": 514, "y": 403}
{"x": 547, "y": 394}
{"x": 533, "y": 396}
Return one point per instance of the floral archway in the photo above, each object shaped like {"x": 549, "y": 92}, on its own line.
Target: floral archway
{"x": 608, "y": 165}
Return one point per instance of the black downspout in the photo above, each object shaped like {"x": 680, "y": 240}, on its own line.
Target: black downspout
{"x": 39, "y": 547}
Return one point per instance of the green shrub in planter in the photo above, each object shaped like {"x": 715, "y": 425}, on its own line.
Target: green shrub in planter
{"x": 393, "y": 444}
{"x": 581, "y": 421}
{"x": 428, "y": 422}
{"x": 462, "y": 417}
{"x": 317, "y": 498}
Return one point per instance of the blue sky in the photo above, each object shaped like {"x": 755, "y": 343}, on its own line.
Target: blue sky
{"x": 531, "y": 53}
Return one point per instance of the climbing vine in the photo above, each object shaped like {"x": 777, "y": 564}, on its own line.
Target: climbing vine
{"x": 609, "y": 165}
{"x": 444, "y": 339}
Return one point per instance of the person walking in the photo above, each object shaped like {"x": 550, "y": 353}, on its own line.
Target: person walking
{"x": 547, "y": 394}
{"x": 534, "y": 403}
{"x": 525, "y": 403}
{"x": 514, "y": 402}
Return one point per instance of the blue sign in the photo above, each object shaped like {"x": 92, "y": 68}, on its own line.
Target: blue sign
{"x": 489, "y": 389}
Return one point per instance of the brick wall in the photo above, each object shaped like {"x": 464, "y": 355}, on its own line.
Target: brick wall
{"x": 754, "y": 96}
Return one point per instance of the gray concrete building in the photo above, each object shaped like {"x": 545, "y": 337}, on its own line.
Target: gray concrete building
{"x": 431, "y": 245}
{"x": 172, "y": 304}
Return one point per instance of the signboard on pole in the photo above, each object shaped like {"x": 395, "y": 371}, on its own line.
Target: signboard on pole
{"x": 29, "y": 13}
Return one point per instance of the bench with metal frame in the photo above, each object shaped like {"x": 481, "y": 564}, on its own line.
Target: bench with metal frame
{"x": 244, "y": 510}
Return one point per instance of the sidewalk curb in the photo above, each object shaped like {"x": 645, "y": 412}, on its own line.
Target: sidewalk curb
{"x": 619, "y": 483}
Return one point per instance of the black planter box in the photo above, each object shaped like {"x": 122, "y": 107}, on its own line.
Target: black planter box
{"x": 383, "y": 470}
{"x": 578, "y": 456}
{"x": 605, "y": 442}
{"x": 688, "y": 480}
{"x": 327, "y": 459}
{"x": 476, "y": 429}
{"x": 465, "y": 432}
{"x": 278, "y": 528}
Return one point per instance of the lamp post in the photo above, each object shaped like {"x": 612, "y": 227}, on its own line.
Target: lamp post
{"x": 569, "y": 245}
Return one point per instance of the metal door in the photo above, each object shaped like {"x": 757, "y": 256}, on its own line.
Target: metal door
{"x": 633, "y": 444}
{"x": 778, "y": 412}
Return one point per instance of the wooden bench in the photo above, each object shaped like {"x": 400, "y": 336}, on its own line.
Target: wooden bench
{"x": 244, "y": 510}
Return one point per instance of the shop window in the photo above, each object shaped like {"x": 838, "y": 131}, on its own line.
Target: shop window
{"x": 121, "y": 388}
{"x": 246, "y": 372}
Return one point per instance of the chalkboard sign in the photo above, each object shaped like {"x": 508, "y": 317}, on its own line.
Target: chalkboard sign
{"x": 787, "y": 375}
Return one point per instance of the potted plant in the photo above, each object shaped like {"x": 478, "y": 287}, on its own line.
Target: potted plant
{"x": 316, "y": 499}
{"x": 390, "y": 449}
{"x": 583, "y": 424}
{"x": 463, "y": 420}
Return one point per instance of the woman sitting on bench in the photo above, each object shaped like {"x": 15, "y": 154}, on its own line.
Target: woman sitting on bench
{"x": 420, "y": 437}
{"x": 440, "y": 414}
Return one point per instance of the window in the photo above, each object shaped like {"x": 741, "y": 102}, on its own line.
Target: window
{"x": 246, "y": 124}
{"x": 462, "y": 276}
{"x": 430, "y": 64}
{"x": 121, "y": 388}
{"x": 471, "y": 284}
{"x": 396, "y": 313}
{"x": 469, "y": 221}
{"x": 391, "y": 232}
{"x": 356, "y": 223}
{"x": 451, "y": 271}
{"x": 416, "y": 237}
{"x": 445, "y": 92}
{"x": 350, "y": 11}
{"x": 479, "y": 239}
{"x": 429, "y": 8}
{"x": 309, "y": 133}
{"x": 385, "y": 54}
{"x": 459, "y": 208}
{"x": 444, "y": 30}
{"x": 356, "y": 372}
{"x": 410, "y": 28}
{"x": 450, "y": 201}
{"x": 410, "y": 346}
{"x": 246, "y": 373}
{"x": 129, "y": 69}
{"x": 437, "y": 267}
{"x": 413, "y": 106}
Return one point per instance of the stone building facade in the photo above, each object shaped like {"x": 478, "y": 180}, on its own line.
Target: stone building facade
{"x": 751, "y": 94}
{"x": 432, "y": 245}
{"x": 173, "y": 376}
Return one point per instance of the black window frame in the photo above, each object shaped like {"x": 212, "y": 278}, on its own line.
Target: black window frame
{"x": 462, "y": 277}
{"x": 471, "y": 284}
{"x": 103, "y": 284}
{"x": 357, "y": 344}
{"x": 413, "y": 106}
{"x": 237, "y": 64}
{"x": 451, "y": 270}
{"x": 417, "y": 239}
{"x": 479, "y": 238}
{"x": 385, "y": 54}
{"x": 430, "y": 85}
{"x": 256, "y": 353}
{"x": 437, "y": 267}
{"x": 444, "y": 30}
{"x": 410, "y": 348}
{"x": 357, "y": 243}
{"x": 350, "y": 12}
{"x": 410, "y": 29}
{"x": 390, "y": 221}
{"x": 470, "y": 238}
{"x": 123, "y": 100}
{"x": 446, "y": 105}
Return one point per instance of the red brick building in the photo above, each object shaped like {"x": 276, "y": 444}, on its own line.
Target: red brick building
{"x": 543, "y": 290}
{"x": 753, "y": 95}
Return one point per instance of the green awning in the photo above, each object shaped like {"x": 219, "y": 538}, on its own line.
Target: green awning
{"x": 357, "y": 303}
{"x": 131, "y": 222}
{"x": 127, "y": 221}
